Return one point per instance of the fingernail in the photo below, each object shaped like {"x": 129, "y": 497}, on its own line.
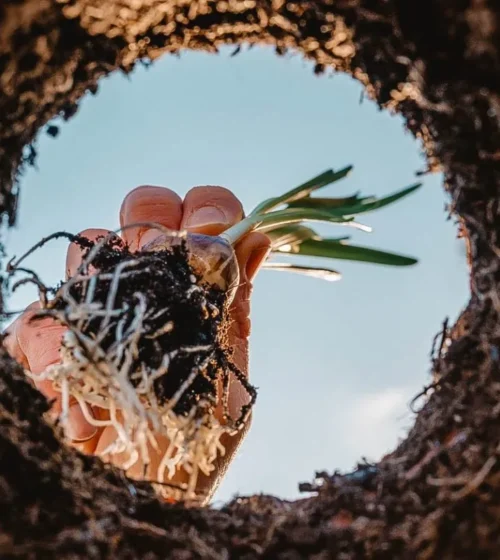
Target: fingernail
{"x": 148, "y": 236}
{"x": 255, "y": 262}
{"x": 208, "y": 215}
{"x": 78, "y": 428}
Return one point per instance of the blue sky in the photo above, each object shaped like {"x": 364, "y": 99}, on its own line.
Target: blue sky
{"x": 336, "y": 363}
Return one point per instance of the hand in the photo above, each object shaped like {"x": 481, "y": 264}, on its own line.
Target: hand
{"x": 209, "y": 210}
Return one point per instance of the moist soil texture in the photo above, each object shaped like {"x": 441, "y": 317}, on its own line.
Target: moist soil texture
{"x": 436, "y": 496}
{"x": 183, "y": 318}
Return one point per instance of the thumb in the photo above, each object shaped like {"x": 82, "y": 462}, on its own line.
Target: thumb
{"x": 252, "y": 252}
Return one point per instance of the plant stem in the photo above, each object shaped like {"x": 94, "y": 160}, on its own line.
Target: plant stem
{"x": 236, "y": 232}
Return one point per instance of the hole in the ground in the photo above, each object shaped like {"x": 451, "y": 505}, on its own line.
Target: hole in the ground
{"x": 336, "y": 364}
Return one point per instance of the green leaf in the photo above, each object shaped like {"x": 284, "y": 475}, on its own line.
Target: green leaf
{"x": 304, "y": 190}
{"x": 367, "y": 206}
{"x": 322, "y": 273}
{"x": 323, "y": 203}
{"x": 292, "y": 234}
{"x": 332, "y": 249}
{"x": 267, "y": 222}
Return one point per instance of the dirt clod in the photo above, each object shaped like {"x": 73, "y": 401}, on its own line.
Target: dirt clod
{"x": 184, "y": 319}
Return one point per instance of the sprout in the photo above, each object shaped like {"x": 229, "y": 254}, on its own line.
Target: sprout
{"x": 282, "y": 219}
{"x": 147, "y": 331}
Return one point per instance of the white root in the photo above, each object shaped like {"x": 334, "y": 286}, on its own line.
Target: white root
{"x": 110, "y": 379}
{"x": 94, "y": 377}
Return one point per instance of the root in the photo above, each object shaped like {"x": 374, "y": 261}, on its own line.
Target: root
{"x": 118, "y": 355}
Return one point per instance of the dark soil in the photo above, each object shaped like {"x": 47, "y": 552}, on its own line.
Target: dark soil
{"x": 183, "y": 313}
{"x": 436, "y": 496}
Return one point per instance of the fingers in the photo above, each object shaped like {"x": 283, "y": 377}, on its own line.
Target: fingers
{"x": 136, "y": 472}
{"x": 35, "y": 344}
{"x": 210, "y": 210}
{"x": 39, "y": 340}
{"x": 75, "y": 252}
{"x": 251, "y": 252}
{"x": 10, "y": 341}
{"x": 207, "y": 210}
{"x": 149, "y": 204}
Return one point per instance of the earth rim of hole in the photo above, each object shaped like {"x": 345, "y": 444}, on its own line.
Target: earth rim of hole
{"x": 435, "y": 63}
{"x": 53, "y": 130}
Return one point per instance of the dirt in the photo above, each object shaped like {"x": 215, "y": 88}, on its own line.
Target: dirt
{"x": 183, "y": 313}
{"x": 437, "y": 63}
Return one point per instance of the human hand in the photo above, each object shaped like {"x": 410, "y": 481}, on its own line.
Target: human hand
{"x": 208, "y": 210}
